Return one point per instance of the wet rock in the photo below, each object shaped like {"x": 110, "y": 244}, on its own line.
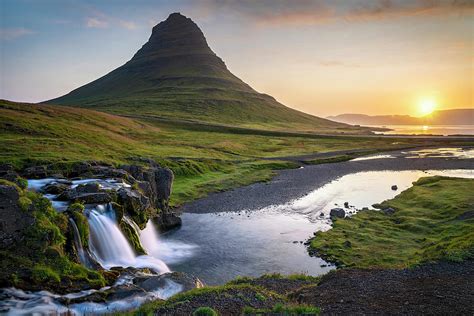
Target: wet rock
{"x": 55, "y": 188}
{"x": 346, "y": 204}
{"x": 83, "y": 189}
{"x": 93, "y": 198}
{"x": 135, "y": 204}
{"x": 167, "y": 221}
{"x": 394, "y": 187}
{"x": 337, "y": 213}
{"x": 150, "y": 283}
{"x": 13, "y": 219}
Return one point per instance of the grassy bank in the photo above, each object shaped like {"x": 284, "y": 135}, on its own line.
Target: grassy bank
{"x": 268, "y": 294}
{"x": 432, "y": 221}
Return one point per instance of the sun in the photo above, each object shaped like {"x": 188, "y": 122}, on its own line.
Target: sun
{"x": 427, "y": 106}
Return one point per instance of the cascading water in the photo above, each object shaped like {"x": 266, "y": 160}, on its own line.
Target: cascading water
{"x": 78, "y": 244}
{"x": 169, "y": 251}
{"x": 110, "y": 246}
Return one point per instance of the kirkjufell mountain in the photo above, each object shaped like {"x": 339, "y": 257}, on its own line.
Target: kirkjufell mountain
{"x": 176, "y": 75}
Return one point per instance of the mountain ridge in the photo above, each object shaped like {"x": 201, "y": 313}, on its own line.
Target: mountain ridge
{"x": 177, "y": 75}
{"x": 439, "y": 117}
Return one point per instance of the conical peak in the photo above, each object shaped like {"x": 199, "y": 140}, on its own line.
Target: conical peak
{"x": 177, "y": 35}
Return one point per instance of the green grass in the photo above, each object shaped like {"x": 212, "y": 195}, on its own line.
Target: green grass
{"x": 425, "y": 227}
{"x": 281, "y": 309}
{"x": 205, "y": 158}
{"x": 204, "y": 311}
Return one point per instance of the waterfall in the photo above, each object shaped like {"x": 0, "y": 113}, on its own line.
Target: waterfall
{"x": 169, "y": 251}
{"x": 78, "y": 244}
{"x": 109, "y": 245}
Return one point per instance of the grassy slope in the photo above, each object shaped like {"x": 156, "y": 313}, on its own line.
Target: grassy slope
{"x": 425, "y": 227}
{"x": 203, "y": 159}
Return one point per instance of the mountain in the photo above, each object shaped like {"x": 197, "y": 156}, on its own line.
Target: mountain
{"x": 440, "y": 117}
{"x": 176, "y": 75}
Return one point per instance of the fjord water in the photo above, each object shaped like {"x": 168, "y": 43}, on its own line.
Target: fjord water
{"x": 254, "y": 242}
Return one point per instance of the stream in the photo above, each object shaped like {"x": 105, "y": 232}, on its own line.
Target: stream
{"x": 217, "y": 247}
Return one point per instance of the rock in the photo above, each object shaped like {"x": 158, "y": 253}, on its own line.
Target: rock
{"x": 150, "y": 283}
{"x": 55, "y": 188}
{"x": 35, "y": 172}
{"x": 167, "y": 221}
{"x": 83, "y": 189}
{"x": 164, "y": 180}
{"x": 389, "y": 211}
{"x": 337, "y": 213}
{"x": 93, "y": 198}
{"x": 346, "y": 204}
{"x": 135, "y": 204}
{"x": 394, "y": 187}
{"x": 13, "y": 219}
{"x": 347, "y": 244}
{"x": 321, "y": 214}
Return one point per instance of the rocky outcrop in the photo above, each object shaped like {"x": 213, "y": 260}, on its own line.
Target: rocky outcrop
{"x": 337, "y": 213}
{"x": 14, "y": 217}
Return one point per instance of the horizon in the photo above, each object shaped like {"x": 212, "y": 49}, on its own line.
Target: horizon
{"x": 271, "y": 48}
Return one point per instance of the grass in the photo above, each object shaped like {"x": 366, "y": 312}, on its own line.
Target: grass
{"x": 428, "y": 225}
{"x": 205, "y": 158}
{"x": 281, "y": 309}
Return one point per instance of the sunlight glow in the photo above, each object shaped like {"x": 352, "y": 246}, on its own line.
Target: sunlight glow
{"x": 427, "y": 106}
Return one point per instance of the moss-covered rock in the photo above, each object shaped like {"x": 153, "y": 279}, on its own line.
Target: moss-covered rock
{"x": 37, "y": 259}
{"x": 132, "y": 236}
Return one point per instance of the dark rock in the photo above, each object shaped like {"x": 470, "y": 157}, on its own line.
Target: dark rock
{"x": 347, "y": 244}
{"x": 13, "y": 219}
{"x": 394, "y": 187}
{"x": 81, "y": 190}
{"x": 346, "y": 204}
{"x": 167, "y": 221}
{"x": 80, "y": 168}
{"x": 35, "y": 172}
{"x": 93, "y": 198}
{"x": 55, "y": 188}
{"x": 135, "y": 204}
{"x": 389, "y": 211}
{"x": 150, "y": 283}
{"x": 337, "y": 213}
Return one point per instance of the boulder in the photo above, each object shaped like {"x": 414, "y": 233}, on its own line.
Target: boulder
{"x": 167, "y": 221}
{"x": 36, "y": 172}
{"x": 389, "y": 210}
{"x": 151, "y": 283}
{"x": 346, "y": 204}
{"x": 13, "y": 219}
{"x": 135, "y": 204}
{"x": 82, "y": 189}
{"x": 93, "y": 198}
{"x": 337, "y": 213}
{"x": 55, "y": 188}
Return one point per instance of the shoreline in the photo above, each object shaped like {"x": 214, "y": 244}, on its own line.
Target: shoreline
{"x": 292, "y": 184}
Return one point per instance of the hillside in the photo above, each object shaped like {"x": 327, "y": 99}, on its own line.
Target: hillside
{"x": 440, "y": 117}
{"x": 176, "y": 75}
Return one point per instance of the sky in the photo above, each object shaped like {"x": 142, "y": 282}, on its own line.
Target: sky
{"x": 320, "y": 57}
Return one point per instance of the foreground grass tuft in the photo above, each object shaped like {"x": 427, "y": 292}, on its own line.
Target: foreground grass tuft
{"x": 431, "y": 223}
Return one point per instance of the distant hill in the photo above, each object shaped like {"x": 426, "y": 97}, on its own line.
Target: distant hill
{"x": 176, "y": 75}
{"x": 441, "y": 117}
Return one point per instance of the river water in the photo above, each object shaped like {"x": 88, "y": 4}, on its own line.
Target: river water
{"x": 217, "y": 247}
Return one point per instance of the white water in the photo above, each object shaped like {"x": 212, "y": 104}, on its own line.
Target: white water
{"x": 168, "y": 251}
{"x": 110, "y": 246}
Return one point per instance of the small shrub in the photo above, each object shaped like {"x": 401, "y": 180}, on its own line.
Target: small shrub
{"x": 205, "y": 311}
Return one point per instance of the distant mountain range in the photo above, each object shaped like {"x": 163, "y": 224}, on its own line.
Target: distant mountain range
{"x": 175, "y": 75}
{"x": 441, "y": 117}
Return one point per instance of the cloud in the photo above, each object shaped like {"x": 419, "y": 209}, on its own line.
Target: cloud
{"x": 308, "y": 12}
{"x": 128, "y": 25}
{"x": 96, "y": 22}
{"x": 12, "y": 33}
